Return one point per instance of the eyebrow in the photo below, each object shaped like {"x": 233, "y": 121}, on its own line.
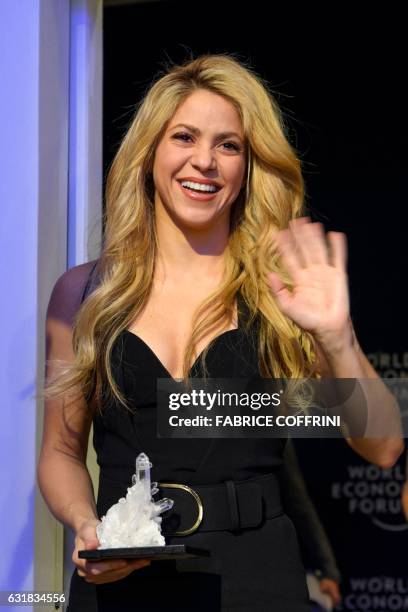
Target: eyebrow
{"x": 197, "y": 132}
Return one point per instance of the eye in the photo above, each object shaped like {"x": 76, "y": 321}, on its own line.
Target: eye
{"x": 235, "y": 147}
{"x": 182, "y": 136}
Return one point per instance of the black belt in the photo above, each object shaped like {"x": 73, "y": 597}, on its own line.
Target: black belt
{"x": 229, "y": 506}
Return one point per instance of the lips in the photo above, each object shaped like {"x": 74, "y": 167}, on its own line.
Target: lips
{"x": 200, "y": 181}
{"x": 203, "y": 196}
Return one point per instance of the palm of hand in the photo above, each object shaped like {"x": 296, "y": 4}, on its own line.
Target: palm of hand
{"x": 319, "y": 299}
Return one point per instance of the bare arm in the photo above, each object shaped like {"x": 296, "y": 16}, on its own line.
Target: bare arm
{"x": 349, "y": 361}
{"x": 63, "y": 478}
{"x": 318, "y": 302}
{"x": 62, "y": 474}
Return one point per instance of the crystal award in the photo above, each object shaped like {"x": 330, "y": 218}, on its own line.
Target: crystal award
{"x": 131, "y": 528}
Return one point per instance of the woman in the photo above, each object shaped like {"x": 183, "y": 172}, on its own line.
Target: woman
{"x": 207, "y": 268}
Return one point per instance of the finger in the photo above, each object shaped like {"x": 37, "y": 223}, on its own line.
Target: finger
{"x": 91, "y": 543}
{"x": 311, "y": 241}
{"x": 279, "y": 290}
{"x": 93, "y": 567}
{"x": 299, "y": 221}
{"x": 105, "y": 578}
{"x": 116, "y": 574}
{"x": 84, "y": 543}
{"x": 289, "y": 252}
{"x": 138, "y": 563}
{"x": 338, "y": 249}
{"x": 92, "y": 572}
{"x": 102, "y": 577}
{"x": 79, "y": 561}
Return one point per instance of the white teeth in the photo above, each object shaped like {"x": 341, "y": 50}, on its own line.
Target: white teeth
{"x": 198, "y": 186}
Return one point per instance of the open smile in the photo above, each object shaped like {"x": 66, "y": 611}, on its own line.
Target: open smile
{"x": 199, "y": 191}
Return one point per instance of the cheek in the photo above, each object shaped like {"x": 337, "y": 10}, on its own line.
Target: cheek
{"x": 160, "y": 172}
{"x": 235, "y": 174}
{"x": 167, "y": 165}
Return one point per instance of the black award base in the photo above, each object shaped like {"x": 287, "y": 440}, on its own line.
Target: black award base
{"x": 155, "y": 553}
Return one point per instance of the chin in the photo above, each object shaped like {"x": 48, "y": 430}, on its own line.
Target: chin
{"x": 196, "y": 218}
{"x": 195, "y": 222}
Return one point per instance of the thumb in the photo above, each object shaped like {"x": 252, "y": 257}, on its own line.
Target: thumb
{"x": 90, "y": 543}
{"x": 90, "y": 538}
{"x": 275, "y": 282}
{"x": 279, "y": 290}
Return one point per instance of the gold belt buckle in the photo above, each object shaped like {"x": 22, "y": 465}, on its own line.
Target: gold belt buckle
{"x": 174, "y": 485}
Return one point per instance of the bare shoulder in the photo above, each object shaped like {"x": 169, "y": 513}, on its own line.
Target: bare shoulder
{"x": 67, "y": 292}
{"x": 66, "y": 423}
{"x": 63, "y": 306}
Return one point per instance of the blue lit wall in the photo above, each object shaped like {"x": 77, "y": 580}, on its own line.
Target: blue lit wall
{"x": 34, "y": 102}
{"x": 19, "y": 186}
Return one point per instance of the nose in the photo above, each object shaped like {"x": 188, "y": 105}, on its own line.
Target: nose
{"x": 203, "y": 157}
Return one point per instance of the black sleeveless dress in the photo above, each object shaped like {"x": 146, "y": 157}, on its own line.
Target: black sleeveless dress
{"x": 250, "y": 568}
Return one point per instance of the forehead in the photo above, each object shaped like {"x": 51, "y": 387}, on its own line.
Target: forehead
{"x": 208, "y": 111}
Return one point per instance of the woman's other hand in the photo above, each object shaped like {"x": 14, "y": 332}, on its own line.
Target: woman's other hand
{"x": 331, "y": 588}
{"x": 99, "y": 572}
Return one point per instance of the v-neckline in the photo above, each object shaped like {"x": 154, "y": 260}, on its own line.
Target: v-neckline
{"x": 128, "y": 332}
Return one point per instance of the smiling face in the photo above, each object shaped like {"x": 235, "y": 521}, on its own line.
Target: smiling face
{"x": 199, "y": 165}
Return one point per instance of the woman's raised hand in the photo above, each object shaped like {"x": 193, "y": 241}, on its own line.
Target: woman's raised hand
{"x": 316, "y": 264}
{"x": 99, "y": 572}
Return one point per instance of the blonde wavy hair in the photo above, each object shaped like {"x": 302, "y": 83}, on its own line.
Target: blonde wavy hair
{"x": 273, "y": 195}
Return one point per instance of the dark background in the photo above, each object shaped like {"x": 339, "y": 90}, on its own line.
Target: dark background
{"x": 339, "y": 78}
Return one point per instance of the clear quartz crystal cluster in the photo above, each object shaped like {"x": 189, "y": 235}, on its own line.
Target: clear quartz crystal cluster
{"x": 135, "y": 520}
